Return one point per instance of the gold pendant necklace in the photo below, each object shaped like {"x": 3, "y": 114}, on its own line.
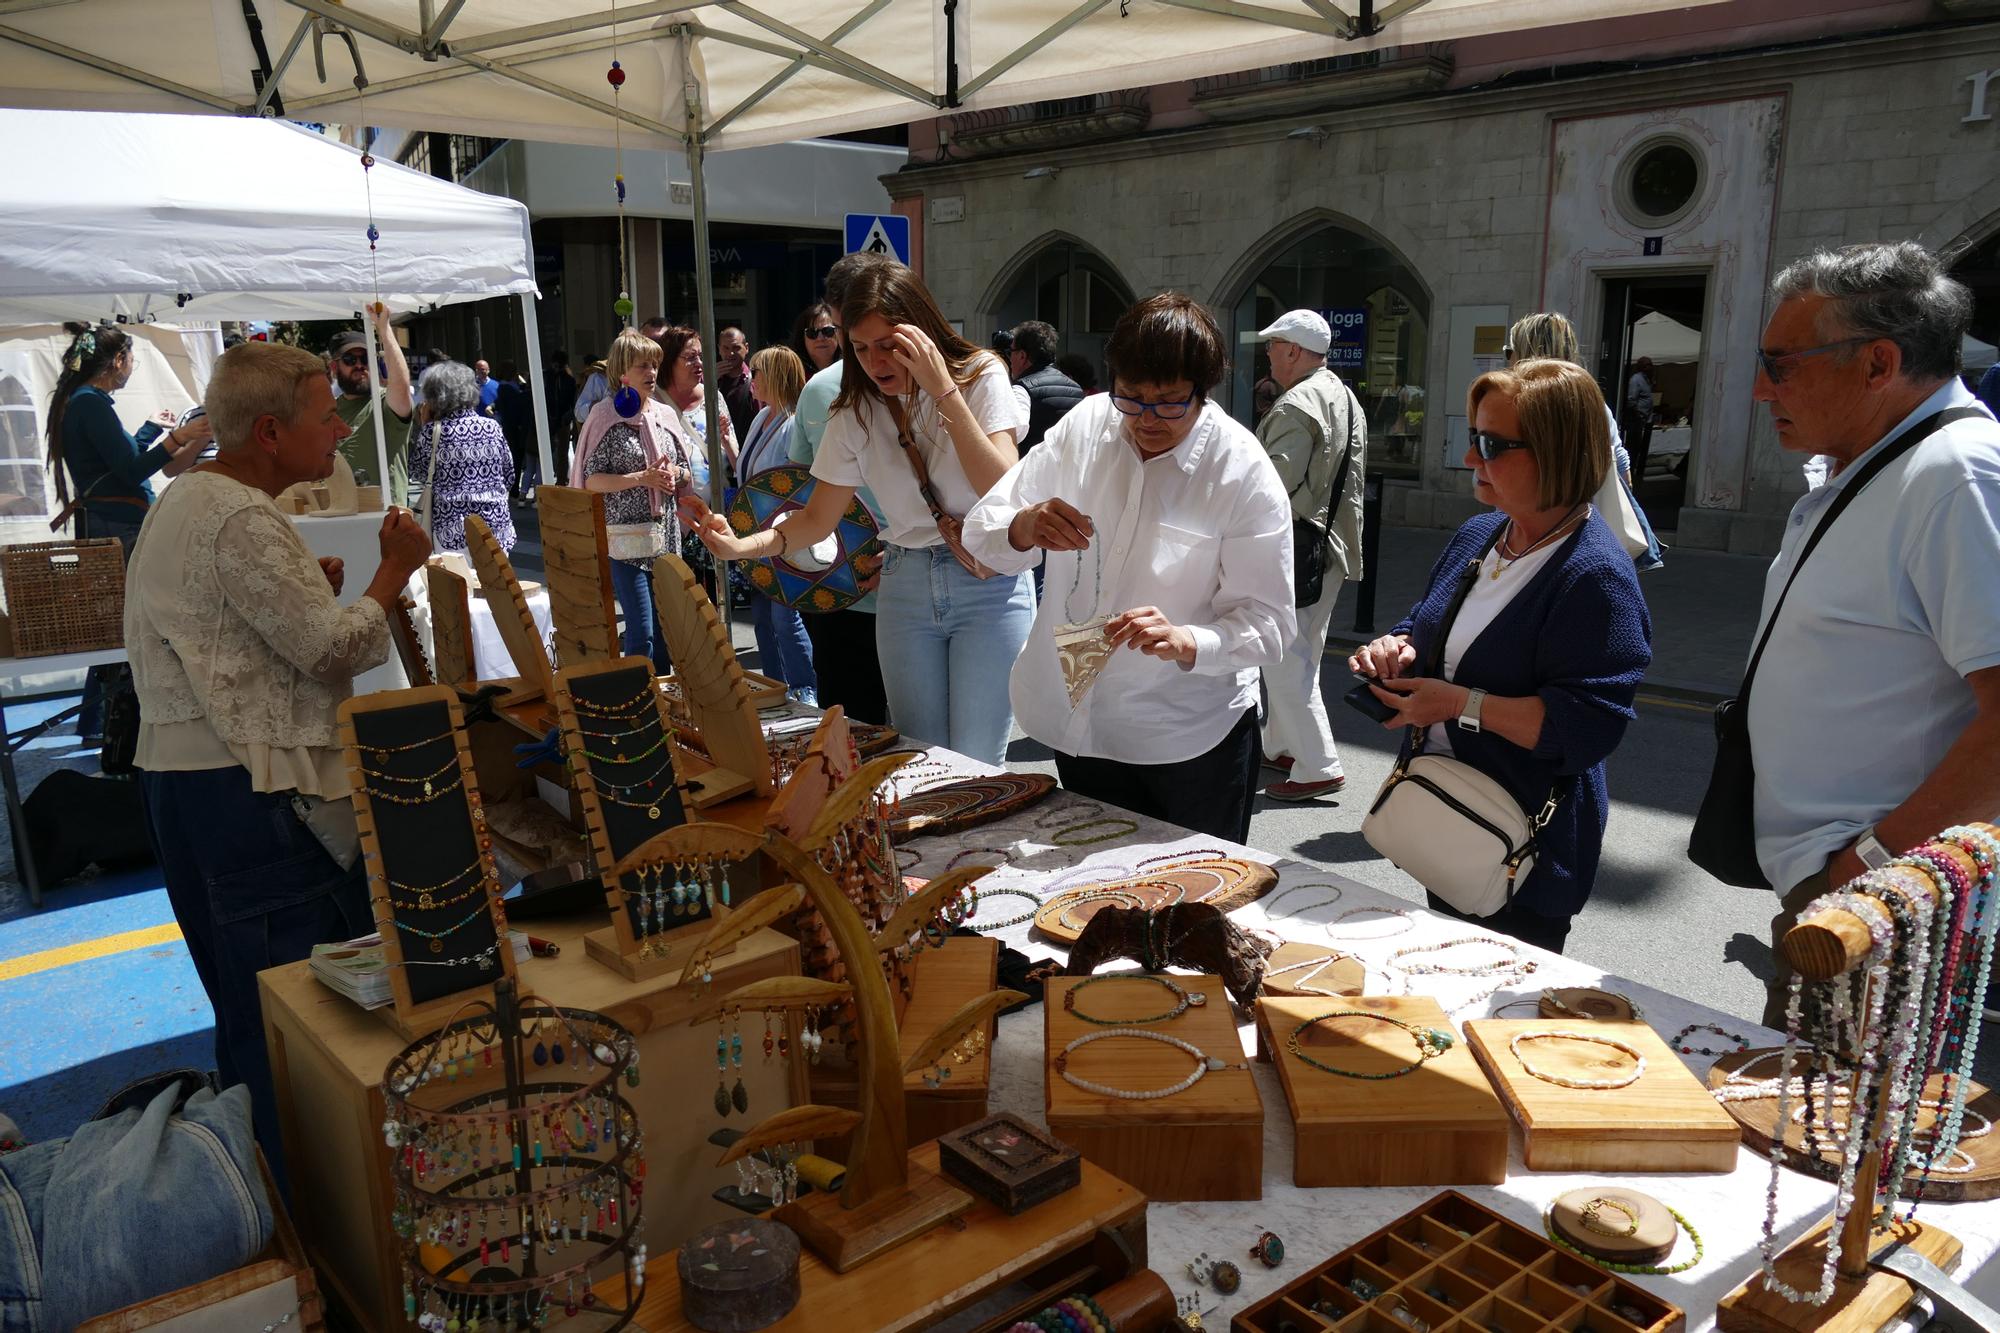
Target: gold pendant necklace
{"x": 1504, "y": 560}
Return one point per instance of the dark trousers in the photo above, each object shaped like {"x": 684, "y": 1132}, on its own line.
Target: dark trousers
{"x": 1778, "y": 990}
{"x": 1211, "y": 793}
{"x": 846, "y": 665}
{"x": 1544, "y": 932}
{"x": 252, "y": 889}
{"x": 90, "y": 721}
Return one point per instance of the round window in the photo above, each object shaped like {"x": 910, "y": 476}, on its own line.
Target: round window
{"x": 1661, "y": 182}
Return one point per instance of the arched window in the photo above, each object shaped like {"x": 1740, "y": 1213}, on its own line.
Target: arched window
{"x": 1073, "y": 289}
{"x": 1381, "y": 336}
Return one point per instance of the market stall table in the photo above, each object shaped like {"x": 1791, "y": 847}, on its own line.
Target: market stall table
{"x": 29, "y": 680}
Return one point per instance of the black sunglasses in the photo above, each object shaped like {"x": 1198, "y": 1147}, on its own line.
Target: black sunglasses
{"x": 823, "y": 331}
{"x": 354, "y": 359}
{"x": 1491, "y": 446}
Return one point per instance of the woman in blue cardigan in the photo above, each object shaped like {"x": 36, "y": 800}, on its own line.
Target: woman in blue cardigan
{"x": 1541, "y": 664}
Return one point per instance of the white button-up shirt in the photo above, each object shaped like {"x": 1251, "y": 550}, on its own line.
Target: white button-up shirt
{"x": 1203, "y": 532}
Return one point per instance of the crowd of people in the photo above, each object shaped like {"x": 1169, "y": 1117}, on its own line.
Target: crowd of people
{"x": 1187, "y": 572}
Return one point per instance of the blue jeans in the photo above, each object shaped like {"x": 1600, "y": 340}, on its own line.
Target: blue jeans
{"x": 783, "y": 650}
{"x": 632, "y": 581}
{"x": 948, "y": 642}
{"x": 251, "y": 888}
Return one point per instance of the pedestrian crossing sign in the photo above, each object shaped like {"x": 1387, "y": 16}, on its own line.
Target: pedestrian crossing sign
{"x": 879, "y": 234}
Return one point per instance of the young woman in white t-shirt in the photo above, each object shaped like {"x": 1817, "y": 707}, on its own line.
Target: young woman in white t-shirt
{"x": 947, "y": 637}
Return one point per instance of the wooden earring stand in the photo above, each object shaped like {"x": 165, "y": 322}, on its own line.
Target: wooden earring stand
{"x": 451, "y": 625}
{"x": 886, "y": 1197}
{"x": 511, "y": 615}
{"x": 1832, "y": 944}
{"x": 577, "y": 559}
{"x": 713, "y": 687}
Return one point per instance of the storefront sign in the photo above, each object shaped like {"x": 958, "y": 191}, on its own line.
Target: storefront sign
{"x": 1350, "y": 338}
{"x": 1980, "y": 82}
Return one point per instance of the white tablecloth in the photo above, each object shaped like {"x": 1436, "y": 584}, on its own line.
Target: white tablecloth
{"x": 1315, "y": 1223}
{"x": 355, "y": 539}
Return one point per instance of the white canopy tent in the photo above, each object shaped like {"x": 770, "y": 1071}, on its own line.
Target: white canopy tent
{"x": 697, "y": 74}
{"x": 186, "y": 218}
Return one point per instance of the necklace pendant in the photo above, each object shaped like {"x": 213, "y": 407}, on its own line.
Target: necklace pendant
{"x": 652, "y": 812}
{"x": 1197, "y": 999}
{"x": 427, "y": 789}
{"x": 437, "y": 946}
{"x": 424, "y": 903}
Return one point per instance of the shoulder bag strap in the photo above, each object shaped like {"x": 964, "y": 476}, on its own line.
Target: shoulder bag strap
{"x": 916, "y": 457}
{"x": 1346, "y": 458}
{"x": 1888, "y": 454}
{"x": 1434, "y": 659}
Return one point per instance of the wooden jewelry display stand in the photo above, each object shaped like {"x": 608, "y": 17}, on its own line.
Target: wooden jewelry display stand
{"x": 712, "y": 686}
{"x": 429, "y": 858}
{"x": 451, "y": 624}
{"x": 577, "y": 558}
{"x": 1206, "y": 1142}
{"x": 511, "y": 615}
{"x": 1663, "y": 1121}
{"x": 1491, "y": 1273}
{"x": 886, "y": 1198}
{"x": 1833, "y": 944}
{"x": 1438, "y": 1124}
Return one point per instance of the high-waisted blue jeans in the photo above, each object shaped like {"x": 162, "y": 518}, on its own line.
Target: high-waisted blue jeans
{"x": 948, "y": 642}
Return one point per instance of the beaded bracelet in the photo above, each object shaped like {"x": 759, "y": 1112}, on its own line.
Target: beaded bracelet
{"x": 1679, "y": 1041}
{"x": 1643, "y": 1270}
{"x": 1006, "y": 857}
{"x": 1066, "y": 836}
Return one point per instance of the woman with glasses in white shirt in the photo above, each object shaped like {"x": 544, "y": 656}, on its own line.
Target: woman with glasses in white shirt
{"x": 927, "y": 422}
{"x": 1169, "y": 579}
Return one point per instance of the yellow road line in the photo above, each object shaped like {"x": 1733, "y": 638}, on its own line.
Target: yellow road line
{"x": 103, "y": 946}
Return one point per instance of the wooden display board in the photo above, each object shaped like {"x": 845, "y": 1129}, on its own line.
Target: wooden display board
{"x": 1758, "y": 1118}
{"x": 509, "y": 604}
{"x": 1665, "y": 1121}
{"x": 1059, "y": 1243}
{"x": 409, "y": 649}
{"x": 1439, "y": 1124}
{"x": 1204, "y": 1143}
{"x": 712, "y": 685}
{"x": 423, "y": 837}
{"x": 452, "y": 658}
{"x": 1491, "y": 1272}
{"x": 577, "y": 560}
{"x": 1299, "y": 968}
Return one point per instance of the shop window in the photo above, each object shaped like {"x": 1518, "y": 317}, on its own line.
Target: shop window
{"x": 1381, "y": 336}
{"x": 1072, "y": 289}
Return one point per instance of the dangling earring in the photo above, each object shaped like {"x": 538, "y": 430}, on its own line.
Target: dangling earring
{"x": 737, "y": 1095}
{"x": 769, "y": 1043}
{"x": 721, "y": 1068}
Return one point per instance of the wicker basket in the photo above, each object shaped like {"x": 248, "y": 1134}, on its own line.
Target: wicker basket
{"x": 64, "y": 597}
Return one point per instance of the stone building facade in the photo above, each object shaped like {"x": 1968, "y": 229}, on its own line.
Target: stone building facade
{"x": 1426, "y": 198}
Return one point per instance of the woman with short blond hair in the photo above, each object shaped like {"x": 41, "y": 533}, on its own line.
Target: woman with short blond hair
{"x": 1532, "y": 680}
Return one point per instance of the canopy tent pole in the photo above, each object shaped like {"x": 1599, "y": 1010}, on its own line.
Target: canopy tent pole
{"x": 538, "y": 388}
{"x": 375, "y": 411}
{"x": 704, "y": 288}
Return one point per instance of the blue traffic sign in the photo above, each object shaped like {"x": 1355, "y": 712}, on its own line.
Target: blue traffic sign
{"x": 879, "y": 234}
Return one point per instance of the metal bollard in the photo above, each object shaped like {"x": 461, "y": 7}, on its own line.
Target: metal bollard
{"x": 1371, "y": 542}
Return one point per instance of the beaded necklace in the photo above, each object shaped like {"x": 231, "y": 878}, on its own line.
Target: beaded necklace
{"x": 1184, "y": 999}
{"x": 1203, "y": 1064}
{"x": 627, "y": 709}
{"x": 425, "y": 780}
{"x": 1270, "y": 908}
{"x": 426, "y": 900}
{"x": 654, "y": 748}
{"x": 1983, "y": 847}
{"x": 1006, "y": 857}
{"x": 437, "y": 937}
{"x": 981, "y": 895}
{"x": 1645, "y": 1270}
{"x": 1069, "y": 834}
{"x": 403, "y": 749}
{"x": 1079, "y": 809}
{"x": 1405, "y": 924}
{"x": 1565, "y": 1080}
{"x": 1679, "y": 1041}
{"x": 430, "y": 793}
{"x": 1431, "y": 1042}
{"x": 1122, "y": 898}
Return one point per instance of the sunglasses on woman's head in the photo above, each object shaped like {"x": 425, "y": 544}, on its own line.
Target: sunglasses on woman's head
{"x": 823, "y": 331}
{"x": 1491, "y": 446}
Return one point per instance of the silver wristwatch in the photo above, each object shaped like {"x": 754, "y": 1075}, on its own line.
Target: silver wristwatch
{"x": 1469, "y": 719}
{"x": 1871, "y": 851}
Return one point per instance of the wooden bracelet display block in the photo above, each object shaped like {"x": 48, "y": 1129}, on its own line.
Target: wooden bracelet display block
{"x": 1664, "y": 1121}
{"x": 1456, "y": 1265}
{"x": 1204, "y": 1143}
{"x": 1439, "y": 1124}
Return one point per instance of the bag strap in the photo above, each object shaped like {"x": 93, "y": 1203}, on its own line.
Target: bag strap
{"x": 1884, "y": 456}
{"x": 916, "y": 457}
{"x": 1346, "y": 457}
{"x": 1434, "y": 660}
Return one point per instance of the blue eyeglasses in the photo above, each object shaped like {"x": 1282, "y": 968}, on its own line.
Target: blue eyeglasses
{"x": 1133, "y": 407}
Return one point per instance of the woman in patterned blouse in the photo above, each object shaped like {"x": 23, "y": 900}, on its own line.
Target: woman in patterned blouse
{"x": 462, "y": 458}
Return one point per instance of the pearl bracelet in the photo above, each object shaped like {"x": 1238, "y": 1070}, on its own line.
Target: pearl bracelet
{"x": 1204, "y": 1063}
{"x": 1565, "y": 1081}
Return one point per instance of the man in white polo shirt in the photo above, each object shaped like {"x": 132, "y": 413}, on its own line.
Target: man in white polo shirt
{"x": 1875, "y": 718}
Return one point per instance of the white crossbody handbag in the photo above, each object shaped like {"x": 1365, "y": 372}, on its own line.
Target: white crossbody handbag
{"x": 1453, "y": 829}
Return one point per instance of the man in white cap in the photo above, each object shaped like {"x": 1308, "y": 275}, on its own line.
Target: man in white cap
{"x": 1318, "y": 439}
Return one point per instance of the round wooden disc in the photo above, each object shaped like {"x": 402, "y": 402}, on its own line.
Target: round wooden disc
{"x": 1758, "y": 1119}
{"x": 1586, "y": 1002}
{"x": 1224, "y": 882}
{"x": 1652, "y": 1239}
{"x": 739, "y": 1276}
{"x": 1283, "y": 974}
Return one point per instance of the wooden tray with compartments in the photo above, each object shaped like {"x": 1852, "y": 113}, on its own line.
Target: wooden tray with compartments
{"x": 1460, "y": 1268}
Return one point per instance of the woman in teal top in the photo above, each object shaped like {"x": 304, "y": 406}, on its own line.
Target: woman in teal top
{"x": 92, "y": 455}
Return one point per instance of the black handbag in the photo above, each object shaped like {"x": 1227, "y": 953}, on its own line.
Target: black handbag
{"x": 1309, "y": 540}
{"x": 1724, "y": 838}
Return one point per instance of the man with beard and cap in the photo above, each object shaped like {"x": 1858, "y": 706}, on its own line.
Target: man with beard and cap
{"x": 347, "y": 356}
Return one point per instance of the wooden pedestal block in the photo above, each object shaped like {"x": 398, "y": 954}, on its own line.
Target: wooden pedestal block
{"x": 1204, "y": 1143}
{"x": 1859, "y": 1305}
{"x": 1666, "y": 1121}
{"x": 327, "y": 1058}
{"x": 849, "y": 1237}
{"x": 1439, "y": 1124}
{"x": 1053, "y": 1247}
{"x": 681, "y": 945}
